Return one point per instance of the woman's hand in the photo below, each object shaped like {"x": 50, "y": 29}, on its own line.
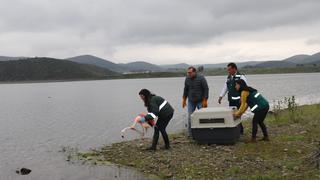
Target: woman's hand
{"x": 236, "y": 116}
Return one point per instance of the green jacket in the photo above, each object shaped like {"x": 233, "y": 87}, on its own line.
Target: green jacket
{"x": 158, "y": 108}
{"x": 233, "y": 94}
{"x": 256, "y": 102}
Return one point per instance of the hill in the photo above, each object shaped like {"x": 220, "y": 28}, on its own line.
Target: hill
{"x": 275, "y": 64}
{"x": 103, "y": 63}
{"x": 34, "y": 69}
{"x": 141, "y": 66}
{"x": 314, "y": 59}
{"x": 297, "y": 59}
{"x": 8, "y": 58}
{"x": 175, "y": 66}
{"x": 93, "y": 60}
{"x": 224, "y": 65}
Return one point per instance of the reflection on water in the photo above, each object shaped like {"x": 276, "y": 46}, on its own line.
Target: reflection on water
{"x": 37, "y": 120}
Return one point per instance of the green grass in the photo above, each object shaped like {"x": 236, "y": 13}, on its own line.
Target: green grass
{"x": 286, "y": 156}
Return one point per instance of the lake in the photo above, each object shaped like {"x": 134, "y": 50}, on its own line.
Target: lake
{"x": 38, "y": 119}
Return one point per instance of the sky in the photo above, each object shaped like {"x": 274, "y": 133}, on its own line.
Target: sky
{"x": 161, "y": 31}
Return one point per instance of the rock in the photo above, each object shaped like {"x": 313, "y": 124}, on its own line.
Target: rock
{"x": 235, "y": 157}
{"x": 168, "y": 175}
{"x": 227, "y": 150}
{"x": 303, "y": 132}
{"x": 271, "y": 112}
{"x": 259, "y": 159}
{"x": 23, "y": 171}
{"x": 296, "y": 168}
{"x": 285, "y": 150}
{"x": 175, "y": 142}
{"x": 131, "y": 164}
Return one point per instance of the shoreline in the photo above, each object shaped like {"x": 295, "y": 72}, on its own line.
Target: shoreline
{"x": 123, "y": 78}
{"x": 293, "y": 140}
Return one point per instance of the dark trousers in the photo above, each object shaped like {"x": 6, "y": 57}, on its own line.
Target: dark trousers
{"x": 237, "y": 104}
{"x": 161, "y": 127}
{"x": 258, "y": 118}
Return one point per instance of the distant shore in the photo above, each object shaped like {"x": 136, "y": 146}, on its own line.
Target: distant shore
{"x": 173, "y": 74}
{"x": 47, "y": 81}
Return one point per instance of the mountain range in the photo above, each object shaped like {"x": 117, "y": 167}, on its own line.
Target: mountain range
{"x": 143, "y": 66}
{"x": 136, "y": 66}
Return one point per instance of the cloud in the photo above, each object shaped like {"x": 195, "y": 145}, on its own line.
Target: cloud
{"x": 313, "y": 41}
{"x": 121, "y": 29}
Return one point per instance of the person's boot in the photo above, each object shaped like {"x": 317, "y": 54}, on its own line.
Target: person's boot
{"x": 265, "y": 138}
{"x": 153, "y": 147}
{"x": 165, "y": 147}
{"x": 166, "y": 141}
{"x": 251, "y": 141}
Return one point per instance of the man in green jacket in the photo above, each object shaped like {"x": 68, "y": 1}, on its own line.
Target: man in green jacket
{"x": 230, "y": 87}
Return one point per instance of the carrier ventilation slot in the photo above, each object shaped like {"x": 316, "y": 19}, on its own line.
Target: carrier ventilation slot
{"x": 212, "y": 120}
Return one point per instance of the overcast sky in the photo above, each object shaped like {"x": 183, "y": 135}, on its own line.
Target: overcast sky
{"x": 161, "y": 31}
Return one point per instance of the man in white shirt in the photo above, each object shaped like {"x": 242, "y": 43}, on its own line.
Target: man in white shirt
{"x": 229, "y": 87}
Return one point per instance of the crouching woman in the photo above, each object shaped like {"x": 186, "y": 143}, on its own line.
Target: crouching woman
{"x": 258, "y": 105}
{"x": 161, "y": 111}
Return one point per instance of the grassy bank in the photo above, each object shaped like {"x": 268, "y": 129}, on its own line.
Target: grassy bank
{"x": 294, "y": 136}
